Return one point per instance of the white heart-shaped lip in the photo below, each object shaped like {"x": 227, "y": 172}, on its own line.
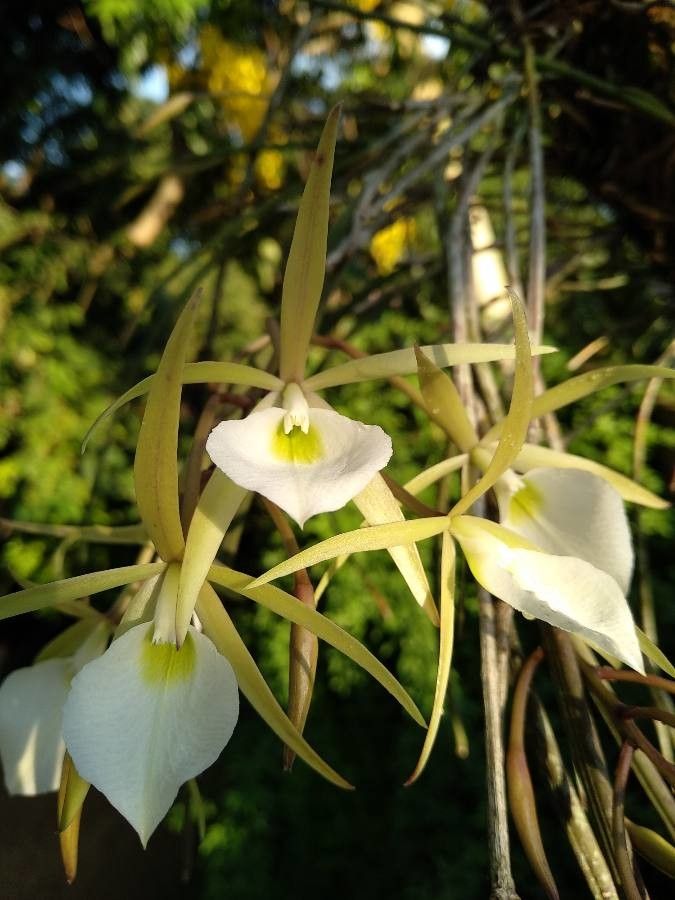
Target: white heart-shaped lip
{"x": 304, "y": 471}
{"x": 144, "y": 718}
{"x": 564, "y": 591}
{"x": 570, "y": 512}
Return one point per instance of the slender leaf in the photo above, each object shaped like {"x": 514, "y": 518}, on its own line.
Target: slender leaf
{"x": 378, "y": 506}
{"x": 403, "y": 362}
{"x": 518, "y": 417}
{"x": 434, "y": 473}
{"x": 653, "y": 847}
{"x": 156, "y": 462}
{"x": 375, "y": 537}
{"x": 220, "y": 629}
{"x": 218, "y": 504}
{"x": 581, "y": 386}
{"x": 306, "y": 266}
{"x": 447, "y": 633}
{"x": 291, "y": 608}
{"x": 44, "y": 595}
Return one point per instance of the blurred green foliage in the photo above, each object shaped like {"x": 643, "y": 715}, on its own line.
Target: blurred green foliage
{"x": 114, "y": 205}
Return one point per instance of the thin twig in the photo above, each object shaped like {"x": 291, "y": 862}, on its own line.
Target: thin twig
{"x": 621, "y": 852}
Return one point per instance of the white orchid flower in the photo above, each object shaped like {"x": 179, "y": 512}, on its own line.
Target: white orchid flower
{"x": 31, "y": 711}
{"x": 562, "y": 554}
{"x": 569, "y": 512}
{"x": 293, "y": 448}
{"x": 146, "y": 716}
{"x": 305, "y": 458}
{"x": 564, "y": 590}
{"x": 31, "y": 743}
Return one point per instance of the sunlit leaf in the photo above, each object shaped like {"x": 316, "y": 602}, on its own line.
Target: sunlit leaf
{"x": 291, "y": 608}
{"x": 72, "y": 793}
{"x": 218, "y": 504}
{"x": 518, "y": 417}
{"x": 44, "y": 595}
{"x": 378, "y": 506}
{"x": 444, "y": 404}
{"x": 156, "y": 462}
{"x": 375, "y": 537}
{"x": 220, "y": 629}
{"x": 447, "y": 633}
{"x": 581, "y": 386}
{"x": 403, "y": 362}
{"x": 306, "y": 266}
{"x": 434, "y": 473}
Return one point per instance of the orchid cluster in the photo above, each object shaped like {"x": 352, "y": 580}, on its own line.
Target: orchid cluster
{"x": 142, "y": 698}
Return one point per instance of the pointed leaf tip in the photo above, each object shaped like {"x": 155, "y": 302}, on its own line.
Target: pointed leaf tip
{"x": 517, "y": 420}
{"x": 306, "y": 266}
{"x": 156, "y": 463}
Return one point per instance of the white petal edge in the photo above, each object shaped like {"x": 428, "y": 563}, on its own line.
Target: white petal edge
{"x": 564, "y": 591}
{"x": 31, "y": 708}
{"x": 574, "y": 513}
{"x": 138, "y": 735}
{"x": 351, "y": 453}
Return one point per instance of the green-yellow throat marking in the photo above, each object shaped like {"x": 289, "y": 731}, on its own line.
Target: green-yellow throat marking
{"x": 525, "y": 504}
{"x": 162, "y": 663}
{"x": 297, "y": 447}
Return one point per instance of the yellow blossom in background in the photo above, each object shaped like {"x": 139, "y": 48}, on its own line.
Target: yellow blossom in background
{"x": 390, "y": 244}
{"x": 269, "y": 169}
{"x": 238, "y": 76}
{"x": 429, "y": 89}
{"x": 237, "y": 169}
{"x": 365, "y": 5}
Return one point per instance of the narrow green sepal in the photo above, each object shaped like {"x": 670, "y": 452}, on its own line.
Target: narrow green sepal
{"x": 306, "y": 266}
{"x": 444, "y": 404}
{"x": 220, "y": 629}
{"x": 72, "y": 793}
{"x": 44, "y": 595}
{"x": 582, "y": 386}
{"x": 293, "y": 610}
{"x": 447, "y": 632}
{"x": 517, "y": 420}
{"x": 156, "y": 462}
{"x": 374, "y": 537}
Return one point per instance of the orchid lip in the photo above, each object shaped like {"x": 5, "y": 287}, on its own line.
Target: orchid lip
{"x": 317, "y": 465}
